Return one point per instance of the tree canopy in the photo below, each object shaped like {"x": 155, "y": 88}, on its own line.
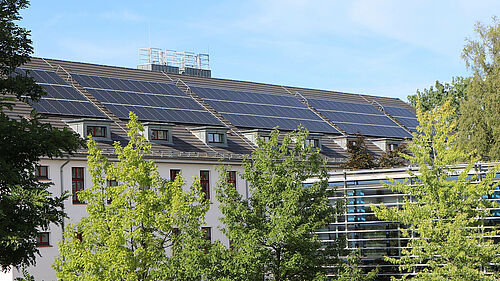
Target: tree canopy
{"x": 26, "y": 206}
{"x": 446, "y": 212}
{"x": 272, "y": 232}
{"x": 142, "y": 227}
{"x": 479, "y": 122}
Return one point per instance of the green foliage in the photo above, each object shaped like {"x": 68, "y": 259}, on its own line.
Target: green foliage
{"x": 272, "y": 232}
{"x": 128, "y": 238}
{"x": 359, "y": 157}
{"x": 436, "y": 96}
{"x": 25, "y": 204}
{"x": 350, "y": 270}
{"x": 393, "y": 158}
{"x": 479, "y": 123}
{"x": 444, "y": 215}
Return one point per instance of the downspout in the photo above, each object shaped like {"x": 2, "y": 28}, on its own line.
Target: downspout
{"x": 62, "y": 191}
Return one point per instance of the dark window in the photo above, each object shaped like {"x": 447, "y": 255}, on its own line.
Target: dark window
{"x": 208, "y": 233}
{"x": 215, "y": 138}
{"x": 231, "y": 178}
{"x": 159, "y": 134}
{"x": 96, "y": 131}
{"x": 265, "y": 138}
{"x": 205, "y": 183}
{"x": 42, "y": 172}
{"x": 391, "y": 146}
{"x": 77, "y": 183}
{"x": 312, "y": 142}
{"x": 42, "y": 239}
{"x": 111, "y": 183}
{"x": 174, "y": 173}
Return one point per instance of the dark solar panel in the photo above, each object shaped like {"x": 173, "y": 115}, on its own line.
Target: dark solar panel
{"x": 61, "y": 98}
{"x": 67, "y": 107}
{"x": 357, "y": 117}
{"x": 151, "y": 101}
{"x": 44, "y": 76}
{"x": 408, "y": 122}
{"x": 264, "y": 122}
{"x": 371, "y": 130}
{"x": 138, "y": 86}
{"x": 399, "y": 111}
{"x": 265, "y": 111}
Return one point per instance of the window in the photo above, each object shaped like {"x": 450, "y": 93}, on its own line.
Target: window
{"x": 77, "y": 183}
{"x": 174, "y": 173}
{"x": 42, "y": 172}
{"x": 215, "y": 138}
{"x": 205, "y": 183}
{"x": 265, "y": 138}
{"x": 159, "y": 134}
{"x": 96, "y": 131}
{"x": 232, "y": 178}
{"x": 111, "y": 183}
{"x": 312, "y": 142}
{"x": 391, "y": 146}
{"x": 42, "y": 239}
{"x": 208, "y": 233}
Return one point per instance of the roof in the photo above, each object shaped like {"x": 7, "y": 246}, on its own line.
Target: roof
{"x": 81, "y": 90}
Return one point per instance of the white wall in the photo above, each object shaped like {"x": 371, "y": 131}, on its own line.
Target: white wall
{"x": 189, "y": 170}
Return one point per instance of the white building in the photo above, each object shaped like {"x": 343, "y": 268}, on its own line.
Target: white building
{"x": 193, "y": 123}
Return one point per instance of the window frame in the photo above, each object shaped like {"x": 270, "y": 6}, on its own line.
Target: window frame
{"x": 155, "y": 134}
{"x": 211, "y": 137}
{"x": 174, "y": 173}
{"x": 231, "y": 178}
{"x": 40, "y": 175}
{"x": 108, "y": 184}
{"x": 40, "y": 241}
{"x": 205, "y": 183}
{"x": 77, "y": 183}
{"x": 208, "y": 232}
{"x": 94, "y": 129}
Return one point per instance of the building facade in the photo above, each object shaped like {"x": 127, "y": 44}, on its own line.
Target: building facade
{"x": 197, "y": 123}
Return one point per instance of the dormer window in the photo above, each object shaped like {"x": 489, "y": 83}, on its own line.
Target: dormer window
{"x": 387, "y": 144}
{"x": 158, "y": 132}
{"x": 96, "y": 131}
{"x": 215, "y": 136}
{"x": 97, "y": 128}
{"x": 314, "y": 140}
{"x": 345, "y": 141}
{"x": 254, "y": 135}
{"x": 391, "y": 146}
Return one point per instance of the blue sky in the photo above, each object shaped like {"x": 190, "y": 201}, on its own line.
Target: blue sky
{"x": 386, "y": 48}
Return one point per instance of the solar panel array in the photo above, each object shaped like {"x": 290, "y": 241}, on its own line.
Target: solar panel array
{"x": 61, "y": 99}
{"x": 357, "y": 117}
{"x": 263, "y": 111}
{"x": 404, "y": 116}
{"x": 151, "y": 101}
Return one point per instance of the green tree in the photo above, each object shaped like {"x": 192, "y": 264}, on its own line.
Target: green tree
{"x": 130, "y": 227}
{"x": 359, "y": 157}
{"x": 350, "y": 270}
{"x": 392, "y": 158}
{"x": 26, "y": 206}
{"x": 454, "y": 93}
{"x": 444, "y": 215}
{"x": 479, "y": 123}
{"x": 272, "y": 233}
